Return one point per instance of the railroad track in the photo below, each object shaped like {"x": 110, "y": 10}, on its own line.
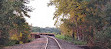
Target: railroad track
{"x": 52, "y": 43}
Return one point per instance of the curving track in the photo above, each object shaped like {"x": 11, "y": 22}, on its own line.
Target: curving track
{"x": 45, "y": 42}
{"x": 52, "y": 43}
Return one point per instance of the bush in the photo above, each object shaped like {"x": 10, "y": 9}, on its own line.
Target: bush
{"x": 103, "y": 39}
{"x": 12, "y": 42}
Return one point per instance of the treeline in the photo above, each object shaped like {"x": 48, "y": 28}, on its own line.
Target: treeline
{"x": 13, "y": 27}
{"x": 86, "y": 20}
{"x": 45, "y": 30}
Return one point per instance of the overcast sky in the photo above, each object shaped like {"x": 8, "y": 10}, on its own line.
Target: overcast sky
{"x": 42, "y": 15}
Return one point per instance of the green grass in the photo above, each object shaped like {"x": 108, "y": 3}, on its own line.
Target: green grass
{"x": 60, "y": 36}
{"x": 69, "y": 39}
{"x": 79, "y": 42}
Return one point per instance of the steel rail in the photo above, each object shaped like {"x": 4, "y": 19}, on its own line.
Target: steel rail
{"x": 54, "y": 40}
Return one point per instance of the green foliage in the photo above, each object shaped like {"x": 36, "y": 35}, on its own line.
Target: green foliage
{"x": 76, "y": 42}
{"x": 12, "y": 42}
{"x": 13, "y": 18}
{"x": 35, "y": 29}
{"x": 72, "y": 12}
{"x": 4, "y": 37}
{"x": 103, "y": 38}
{"x": 45, "y": 30}
{"x": 60, "y": 36}
{"x": 87, "y": 20}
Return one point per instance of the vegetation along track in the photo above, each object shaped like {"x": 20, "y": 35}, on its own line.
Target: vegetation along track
{"x": 52, "y": 43}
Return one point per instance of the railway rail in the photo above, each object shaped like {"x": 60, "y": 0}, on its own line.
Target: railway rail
{"x": 52, "y": 43}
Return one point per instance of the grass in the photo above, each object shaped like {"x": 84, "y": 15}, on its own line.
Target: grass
{"x": 60, "y": 36}
{"x": 76, "y": 42}
{"x": 69, "y": 39}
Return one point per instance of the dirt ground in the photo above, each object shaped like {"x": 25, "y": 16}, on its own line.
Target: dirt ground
{"x": 40, "y": 43}
{"x": 67, "y": 45}
{"x": 36, "y": 44}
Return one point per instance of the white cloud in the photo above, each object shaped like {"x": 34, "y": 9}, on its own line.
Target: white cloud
{"x": 42, "y": 16}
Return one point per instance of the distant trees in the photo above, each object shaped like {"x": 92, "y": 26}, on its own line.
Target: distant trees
{"x": 12, "y": 20}
{"x": 45, "y": 30}
{"x": 87, "y": 20}
{"x": 35, "y": 29}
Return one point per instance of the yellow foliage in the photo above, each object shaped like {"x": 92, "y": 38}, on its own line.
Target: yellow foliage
{"x": 75, "y": 35}
{"x": 29, "y": 36}
{"x": 14, "y": 37}
{"x": 20, "y": 34}
{"x": 20, "y": 42}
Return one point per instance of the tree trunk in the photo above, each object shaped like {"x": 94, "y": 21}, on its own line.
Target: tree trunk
{"x": 73, "y": 35}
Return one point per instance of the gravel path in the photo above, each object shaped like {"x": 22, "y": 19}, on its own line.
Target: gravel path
{"x": 40, "y": 43}
{"x": 52, "y": 44}
{"x": 36, "y": 44}
{"x": 67, "y": 45}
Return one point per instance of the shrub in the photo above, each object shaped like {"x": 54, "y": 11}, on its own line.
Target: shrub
{"x": 103, "y": 39}
{"x": 12, "y": 42}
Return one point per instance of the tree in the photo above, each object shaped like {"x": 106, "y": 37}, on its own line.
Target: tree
{"x": 70, "y": 9}
{"x": 11, "y": 17}
{"x": 91, "y": 18}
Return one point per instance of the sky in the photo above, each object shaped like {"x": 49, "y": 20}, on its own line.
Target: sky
{"x": 42, "y": 15}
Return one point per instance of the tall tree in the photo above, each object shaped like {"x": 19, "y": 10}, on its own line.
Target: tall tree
{"x": 91, "y": 18}
{"x": 11, "y": 17}
{"x": 70, "y": 9}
